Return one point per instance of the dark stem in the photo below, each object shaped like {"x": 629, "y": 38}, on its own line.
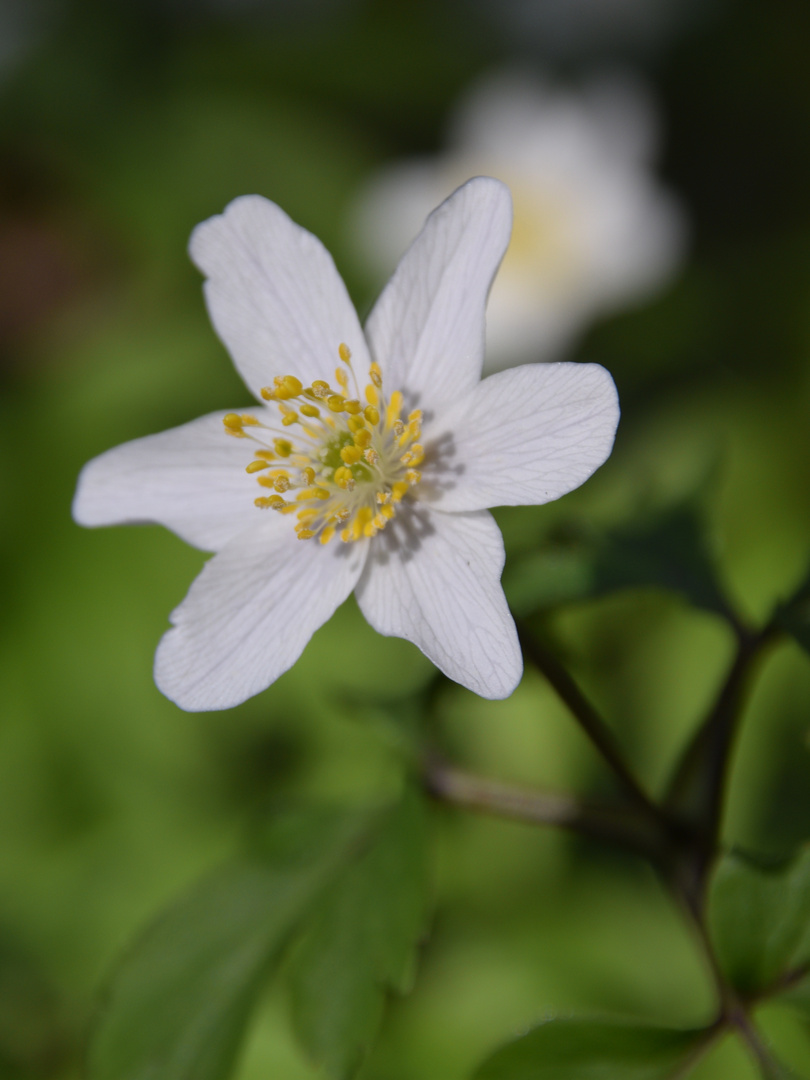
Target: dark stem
{"x": 624, "y": 828}
{"x": 741, "y": 1022}
{"x": 588, "y": 719}
{"x": 697, "y": 792}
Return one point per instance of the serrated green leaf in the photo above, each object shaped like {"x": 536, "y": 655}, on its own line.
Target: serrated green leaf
{"x": 760, "y": 921}
{"x": 177, "y": 1007}
{"x": 361, "y": 942}
{"x": 592, "y": 1050}
{"x": 666, "y": 552}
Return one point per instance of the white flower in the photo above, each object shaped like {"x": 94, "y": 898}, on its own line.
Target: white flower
{"x": 593, "y": 230}
{"x": 369, "y": 464}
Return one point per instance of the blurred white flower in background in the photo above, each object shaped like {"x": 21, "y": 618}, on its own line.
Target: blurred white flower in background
{"x": 594, "y": 231}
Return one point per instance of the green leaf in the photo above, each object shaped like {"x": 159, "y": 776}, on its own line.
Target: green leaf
{"x": 177, "y": 1007}
{"x": 760, "y": 921}
{"x": 665, "y": 552}
{"x": 593, "y": 1050}
{"x": 361, "y": 942}
{"x": 794, "y": 616}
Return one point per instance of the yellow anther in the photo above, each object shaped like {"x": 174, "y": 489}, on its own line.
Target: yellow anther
{"x": 309, "y": 475}
{"x": 356, "y": 423}
{"x": 327, "y": 534}
{"x": 310, "y": 410}
{"x": 281, "y": 483}
{"x": 383, "y": 497}
{"x": 416, "y": 415}
{"x": 289, "y": 418}
{"x": 371, "y": 456}
{"x": 256, "y": 466}
{"x": 342, "y": 378}
{"x": 399, "y": 489}
{"x": 283, "y": 447}
{"x": 268, "y": 393}
{"x": 249, "y": 421}
{"x": 308, "y": 513}
{"x": 375, "y": 374}
{"x": 351, "y": 454}
{"x": 268, "y": 455}
{"x": 387, "y": 511}
{"x": 370, "y": 529}
{"x": 305, "y": 534}
{"x": 353, "y": 406}
{"x": 344, "y": 352}
{"x": 413, "y": 476}
{"x": 232, "y": 421}
{"x": 351, "y": 484}
{"x": 346, "y": 535}
{"x": 371, "y": 414}
{"x": 335, "y": 402}
{"x": 343, "y": 515}
{"x": 362, "y": 438}
{"x": 414, "y": 456}
{"x": 312, "y": 493}
{"x": 272, "y": 502}
{"x": 320, "y": 388}
{"x": 379, "y": 522}
{"x": 372, "y": 397}
{"x": 342, "y": 474}
{"x": 292, "y": 385}
{"x": 399, "y": 427}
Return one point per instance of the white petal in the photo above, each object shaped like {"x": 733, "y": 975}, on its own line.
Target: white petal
{"x": 524, "y": 436}
{"x": 274, "y": 295}
{"x": 435, "y": 579}
{"x": 191, "y": 479}
{"x": 427, "y": 329}
{"x": 251, "y": 611}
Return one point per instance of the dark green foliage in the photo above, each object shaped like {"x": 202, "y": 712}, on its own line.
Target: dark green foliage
{"x": 361, "y": 942}
{"x": 178, "y": 1005}
{"x": 593, "y": 1050}
{"x": 667, "y": 552}
{"x": 760, "y": 922}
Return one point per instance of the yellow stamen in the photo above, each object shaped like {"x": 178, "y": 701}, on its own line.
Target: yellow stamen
{"x": 371, "y": 414}
{"x": 335, "y": 402}
{"x": 256, "y": 466}
{"x": 351, "y": 454}
{"x": 310, "y": 410}
{"x": 344, "y": 352}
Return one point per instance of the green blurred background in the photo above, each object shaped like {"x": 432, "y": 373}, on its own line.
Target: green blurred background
{"x": 121, "y": 126}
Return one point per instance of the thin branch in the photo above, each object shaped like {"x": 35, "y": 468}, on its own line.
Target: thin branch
{"x": 618, "y": 826}
{"x": 588, "y": 719}
{"x": 761, "y": 1052}
{"x": 697, "y": 790}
